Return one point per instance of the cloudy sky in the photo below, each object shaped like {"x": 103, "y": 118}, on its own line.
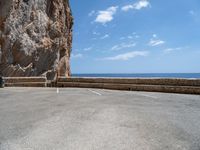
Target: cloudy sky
{"x": 136, "y": 36}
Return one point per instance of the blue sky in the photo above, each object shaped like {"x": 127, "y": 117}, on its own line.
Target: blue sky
{"x": 136, "y": 36}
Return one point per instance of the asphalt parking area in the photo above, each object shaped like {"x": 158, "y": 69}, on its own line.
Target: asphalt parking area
{"x": 96, "y": 119}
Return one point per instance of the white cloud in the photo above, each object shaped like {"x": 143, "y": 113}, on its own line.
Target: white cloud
{"x": 105, "y": 36}
{"x": 76, "y": 55}
{"x": 122, "y": 38}
{"x": 123, "y": 45}
{"x": 127, "y": 56}
{"x": 106, "y": 15}
{"x": 127, "y": 7}
{"x": 91, "y": 13}
{"x": 141, "y": 4}
{"x": 137, "y": 36}
{"x": 137, "y": 6}
{"x": 87, "y": 49}
{"x": 170, "y": 50}
{"x": 155, "y": 35}
{"x": 95, "y": 33}
{"x": 130, "y": 37}
{"x": 195, "y": 15}
{"x": 156, "y": 42}
{"x": 191, "y": 12}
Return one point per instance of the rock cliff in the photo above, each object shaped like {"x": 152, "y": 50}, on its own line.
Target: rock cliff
{"x": 35, "y": 38}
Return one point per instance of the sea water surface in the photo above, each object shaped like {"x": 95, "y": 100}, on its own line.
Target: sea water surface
{"x": 142, "y": 75}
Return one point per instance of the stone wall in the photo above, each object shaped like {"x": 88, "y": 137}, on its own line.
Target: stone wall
{"x": 184, "y": 86}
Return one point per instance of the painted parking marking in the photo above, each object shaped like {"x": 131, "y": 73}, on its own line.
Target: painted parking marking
{"x": 94, "y": 92}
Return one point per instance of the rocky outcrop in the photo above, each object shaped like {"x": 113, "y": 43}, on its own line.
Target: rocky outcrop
{"x": 35, "y": 38}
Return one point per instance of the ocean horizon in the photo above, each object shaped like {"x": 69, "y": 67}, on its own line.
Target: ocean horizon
{"x": 139, "y": 75}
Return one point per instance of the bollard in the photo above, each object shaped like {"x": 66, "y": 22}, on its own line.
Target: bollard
{"x": 1, "y": 82}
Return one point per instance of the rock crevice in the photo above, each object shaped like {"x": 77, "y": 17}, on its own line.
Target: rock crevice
{"x": 35, "y": 38}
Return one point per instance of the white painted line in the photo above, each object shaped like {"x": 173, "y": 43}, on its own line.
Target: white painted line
{"x": 145, "y": 95}
{"x": 57, "y": 90}
{"x": 94, "y": 92}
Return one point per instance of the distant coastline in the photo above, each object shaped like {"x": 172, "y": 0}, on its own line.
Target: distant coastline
{"x": 141, "y": 75}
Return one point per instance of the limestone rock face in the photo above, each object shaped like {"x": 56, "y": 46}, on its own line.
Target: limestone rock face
{"x": 35, "y": 38}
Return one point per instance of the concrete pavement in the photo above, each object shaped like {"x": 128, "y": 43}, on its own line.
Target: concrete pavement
{"x": 97, "y": 119}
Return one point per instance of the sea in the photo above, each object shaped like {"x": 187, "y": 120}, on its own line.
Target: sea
{"x": 141, "y": 75}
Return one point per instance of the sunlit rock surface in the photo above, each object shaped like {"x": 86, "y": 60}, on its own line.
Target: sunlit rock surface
{"x": 35, "y": 38}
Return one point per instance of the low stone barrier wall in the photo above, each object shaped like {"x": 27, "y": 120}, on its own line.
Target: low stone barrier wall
{"x": 146, "y": 81}
{"x": 185, "y": 86}
{"x": 25, "y": 81}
